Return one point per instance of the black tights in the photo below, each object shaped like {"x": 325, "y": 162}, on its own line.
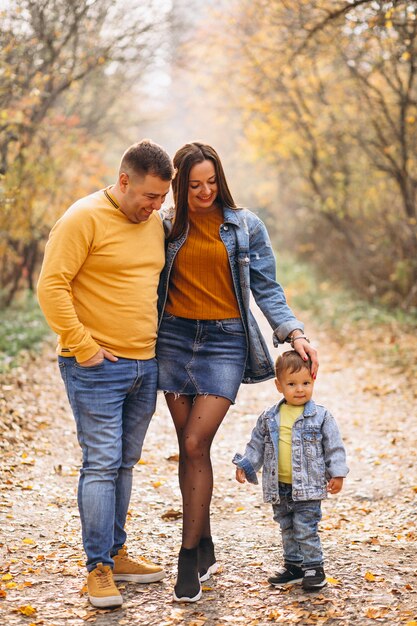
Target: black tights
{"x": 196, "y": 424}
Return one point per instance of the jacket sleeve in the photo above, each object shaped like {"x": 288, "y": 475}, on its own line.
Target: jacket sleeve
{"x": 68, "y": 246}
{"x": 268, "y": 293}
{"x": 253, "y": 457}
{"x": 334, "y": 450}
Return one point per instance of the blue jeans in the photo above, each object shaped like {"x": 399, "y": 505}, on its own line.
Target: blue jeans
{"x": 113, "y": 404}
{"x": 299, "y": 529}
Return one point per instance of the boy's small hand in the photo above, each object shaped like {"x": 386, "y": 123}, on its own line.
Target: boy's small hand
{"x": 335, "y": 485}
{"x": 240, "y": 475}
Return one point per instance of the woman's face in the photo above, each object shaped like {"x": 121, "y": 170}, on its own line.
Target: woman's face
{"x": 202, "y": 187}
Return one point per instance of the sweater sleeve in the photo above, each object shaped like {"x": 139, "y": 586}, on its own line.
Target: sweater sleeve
{"x": 68, "y": 246}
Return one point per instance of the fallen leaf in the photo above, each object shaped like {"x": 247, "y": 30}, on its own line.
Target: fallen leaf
{"x": 376, "y": 612}
{"x": 171, "y": 514}
{"x": 26, "y": 609}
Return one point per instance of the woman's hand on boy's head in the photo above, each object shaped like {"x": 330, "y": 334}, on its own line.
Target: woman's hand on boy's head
{"x": 305, "y": 350}
{"x": 335, "y": 485}
{"x": 240, "y": 475}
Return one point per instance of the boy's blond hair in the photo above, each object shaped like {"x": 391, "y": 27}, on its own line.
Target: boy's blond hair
{"x": 292, "y": 362}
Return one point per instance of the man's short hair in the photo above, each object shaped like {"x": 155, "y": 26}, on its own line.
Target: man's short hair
{"x": 291, "y": 362}
{"x": 147, "y": 157}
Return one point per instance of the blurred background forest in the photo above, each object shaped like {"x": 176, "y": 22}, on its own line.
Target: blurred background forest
{"x": 312, "y": 105}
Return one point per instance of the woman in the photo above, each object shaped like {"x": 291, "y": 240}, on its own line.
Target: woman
{"x": 208, "y": 340}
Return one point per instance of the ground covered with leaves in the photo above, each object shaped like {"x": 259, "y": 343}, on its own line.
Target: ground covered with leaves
{"x": 368, "y": 531}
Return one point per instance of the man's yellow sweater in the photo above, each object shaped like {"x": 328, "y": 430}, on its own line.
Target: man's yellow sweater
{"x": 99, "y": 279}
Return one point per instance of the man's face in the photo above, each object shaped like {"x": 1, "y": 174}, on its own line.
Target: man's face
{"x": 141, "y": 195}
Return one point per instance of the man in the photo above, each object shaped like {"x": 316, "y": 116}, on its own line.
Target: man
{"x": 98, "y": 292}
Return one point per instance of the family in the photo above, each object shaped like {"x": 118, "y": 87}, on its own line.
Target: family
{"x": 144, "y": 298}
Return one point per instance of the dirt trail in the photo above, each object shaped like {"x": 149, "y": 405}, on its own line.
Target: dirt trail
{"x": 368, "y": 531}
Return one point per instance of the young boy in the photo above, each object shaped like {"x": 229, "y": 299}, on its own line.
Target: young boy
{"x": 299, "y": 446}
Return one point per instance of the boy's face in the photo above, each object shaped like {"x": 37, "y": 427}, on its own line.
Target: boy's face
{"x": 296, "y": 387}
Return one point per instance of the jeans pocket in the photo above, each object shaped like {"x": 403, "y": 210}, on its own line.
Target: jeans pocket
{"x": 232, "y": 327}
{"x": 90, "y": 368}
{"x": 63, "y": 370}
{"x": 168, "y": 317}
{"x": 90, "y": 377}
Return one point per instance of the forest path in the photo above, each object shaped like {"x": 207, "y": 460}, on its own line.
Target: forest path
{"x": 368, "y": 531}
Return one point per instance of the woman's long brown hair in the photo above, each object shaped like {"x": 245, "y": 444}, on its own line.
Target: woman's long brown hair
{"x": 184, "y": 159}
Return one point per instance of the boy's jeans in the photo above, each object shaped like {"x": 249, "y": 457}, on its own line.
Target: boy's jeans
{"x": 299, "y": 529}
{"x": 113, "y": 404}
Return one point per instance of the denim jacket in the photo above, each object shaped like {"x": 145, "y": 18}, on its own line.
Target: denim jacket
{"x": 318, "y": 453}
{"x": 253, "y": 266}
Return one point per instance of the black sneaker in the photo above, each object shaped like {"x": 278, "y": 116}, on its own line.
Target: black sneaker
{"x": 314, "y": 578}
{"x": 287, "y": 575}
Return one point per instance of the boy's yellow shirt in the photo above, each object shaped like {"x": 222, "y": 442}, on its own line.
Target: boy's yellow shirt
{"x": 99, "y": 279}
{"x": 287, "y": 416}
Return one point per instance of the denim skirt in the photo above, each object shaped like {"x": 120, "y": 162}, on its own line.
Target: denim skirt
{"x": 201, "y": 357}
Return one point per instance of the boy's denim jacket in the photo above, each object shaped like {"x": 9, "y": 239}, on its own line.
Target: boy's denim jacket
{"x": 318, "y": 453}
{"x": 253, "y": 268}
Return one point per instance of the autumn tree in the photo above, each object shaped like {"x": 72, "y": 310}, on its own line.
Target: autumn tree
{"x": 327, "y": 91}
{"x": 68, "y": 70}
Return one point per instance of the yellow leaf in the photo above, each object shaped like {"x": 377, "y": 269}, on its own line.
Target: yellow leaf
{"x": 26, "y": 609}
{"x": 143, "y": 462}
{"x": 157, "y": 484}
{"x": 239, "y": 508}
{"x": 29, "y": 542}
{"x": 11, "y": 585}
{"x": 7, "y": 577}
{"x": 388, "y": 24}
{"x": 374, "y": 612}
{"x": 332, "y": 581}
{"x": 204, "y": 588}
{"x": 406, "y": 56}
{"x": 370, "y": 577}
{"x": 412, "y": 623}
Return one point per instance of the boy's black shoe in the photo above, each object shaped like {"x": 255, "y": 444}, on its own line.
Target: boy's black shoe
{"x": 314, "y": 578}
{"x": 287, "y": 575}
